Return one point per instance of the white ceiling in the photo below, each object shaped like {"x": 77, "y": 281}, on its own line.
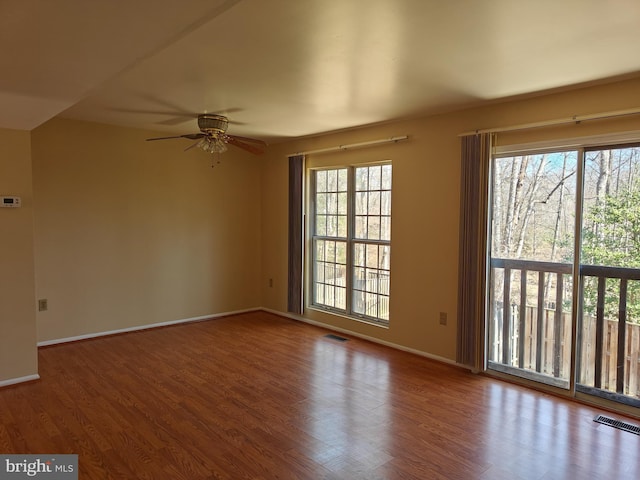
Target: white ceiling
{"x": 287, "y": 68}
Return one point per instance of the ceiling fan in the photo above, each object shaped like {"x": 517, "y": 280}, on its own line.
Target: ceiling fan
{"x": 213, "y": 136}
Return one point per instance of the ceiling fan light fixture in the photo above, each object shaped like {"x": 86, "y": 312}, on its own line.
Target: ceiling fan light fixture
{"x": 212, "y": 145}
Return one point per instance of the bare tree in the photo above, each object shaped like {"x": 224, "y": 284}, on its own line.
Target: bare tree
{"x": 530, "y": 204}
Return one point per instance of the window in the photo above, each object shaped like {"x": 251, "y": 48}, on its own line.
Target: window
{"x": 351, "y": 230}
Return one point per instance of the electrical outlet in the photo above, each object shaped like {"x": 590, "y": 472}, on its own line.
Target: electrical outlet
{"x": 43, "y": 305}
{"x": 271, "y": 283}
{"x": 443, "y": 318}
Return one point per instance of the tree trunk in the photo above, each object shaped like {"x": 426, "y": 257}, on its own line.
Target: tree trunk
{"x": 515, "y": 211}
{"x": 496, "y": 233}
{"x": 530, "y": 205}
{"x": 510, "y": 209}
{"x": 602, "y": 185}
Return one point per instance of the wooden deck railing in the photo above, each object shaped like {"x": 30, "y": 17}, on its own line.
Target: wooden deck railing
{"x": 616, "y": 343}
{"x": 529, "y": 336}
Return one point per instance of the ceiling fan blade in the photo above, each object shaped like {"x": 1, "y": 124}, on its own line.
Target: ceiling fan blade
{"x": 192, "y": 145}
{"x": 177, "y": 120}
{"x": 245, "y": 146}
{"x": 176, "y": 114}
{"x": 250, "y": 140}
{"x": 190, "y": 136}
{"x": 194, "y": 136}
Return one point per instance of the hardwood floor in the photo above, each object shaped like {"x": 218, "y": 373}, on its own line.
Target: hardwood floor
{"x": 257, "y": 396}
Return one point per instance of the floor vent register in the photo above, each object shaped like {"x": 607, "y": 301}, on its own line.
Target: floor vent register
{"x": 612, "y": 422}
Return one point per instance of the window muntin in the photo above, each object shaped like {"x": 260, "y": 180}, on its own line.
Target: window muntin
{"x": 352, "y": 240}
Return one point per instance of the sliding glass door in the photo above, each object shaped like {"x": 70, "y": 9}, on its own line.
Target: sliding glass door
{"x": 531, "y": 265}
{"x": 609, "y": 363}
{"x": 555, "y": 215}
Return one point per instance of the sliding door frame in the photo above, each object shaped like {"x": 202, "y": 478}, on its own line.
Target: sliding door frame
{"x": 622, "y": 140}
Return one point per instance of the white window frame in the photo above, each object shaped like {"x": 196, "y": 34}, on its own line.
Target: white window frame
{"x": 377, "y": 279}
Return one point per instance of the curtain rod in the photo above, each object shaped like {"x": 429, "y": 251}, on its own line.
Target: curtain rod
{"x": 559, "y": 121}
{"x": 352, "y": 145}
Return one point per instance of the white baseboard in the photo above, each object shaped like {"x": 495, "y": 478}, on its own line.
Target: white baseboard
{"x": 13, "y": 381}
{"x": 224, "y": 314}
{"x": 144, "y": 327}
{"x": 368, "y": 338}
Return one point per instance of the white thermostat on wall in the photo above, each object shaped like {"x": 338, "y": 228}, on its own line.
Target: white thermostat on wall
{"x": 6, "y": 201}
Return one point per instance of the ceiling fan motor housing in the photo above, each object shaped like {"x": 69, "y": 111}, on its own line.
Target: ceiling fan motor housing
{"x": 213, "y": 123}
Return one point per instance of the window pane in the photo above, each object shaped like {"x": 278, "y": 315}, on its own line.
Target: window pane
{"x": 374, "y": 203}
{"x": 330, "y": 273}
{"x": 372, "y": 280}
{"x": 320, "y": 250}
{"x": 341, "y": 298}
{"x": 332, "y": 203}
{"x": 385, "y": 251}
{"x": 386, "y": 177}
{"x": 332, "y": 226}
{"x": 329, "y": 295}
{"x": 342, "y": 180}
{"x": 385, "y": 203}
{"x": 341, "y": 253}
{"x": 375, "y": 177}
{"x": 359, "y": 252}
{"x": 373, "y": 228}
{"x": 319, "y": 272}
{"x": 385, "y": 228}
{"x": 358, "y": 302}
{"x": 321, "y": 181}
{"x": 361, "y": 227}
{"x": 321, "y": 203}
{"x": 384, "y": 283}
{"x": 341, "y": 275}
{"x": 342, "y": 226}
{"x": 371, "y": 308}
{"x": 383, "y": 307}
{"x": 361, "y": 203}
{"x": 372, "y": 256}
{"x": 371, "y": 284}
{"x": 330, "y": 251}
{"x": 342, "y": 203}
{"x": 332, "y": 180}
{"x": 362, "y": 176}
{"x": 321, "y": 225}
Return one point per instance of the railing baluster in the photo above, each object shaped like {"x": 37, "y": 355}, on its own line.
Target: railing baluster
{"x": 540, "y": 321}
{"x": 522, "y": 317}
{"x": 597, "y": 382}
{"x": 622, "y": 336}
{"x": 552, "y": 346}
{"x": 506, "y": 319}
{"x": 558, "y": 327}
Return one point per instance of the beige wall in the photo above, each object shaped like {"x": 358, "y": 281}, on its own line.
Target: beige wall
{"x": 131, "y": 233}
{"x": 424, "y": 258}
{"x": 18, "y": 353}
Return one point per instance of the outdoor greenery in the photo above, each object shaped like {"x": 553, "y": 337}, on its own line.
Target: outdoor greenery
{"x": 533, "y": 218}
{"x": 614, "y": 236}
{"x": 613, "y": 239}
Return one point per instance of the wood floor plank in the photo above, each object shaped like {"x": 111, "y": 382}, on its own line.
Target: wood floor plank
{"x": 258, "y": 396}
